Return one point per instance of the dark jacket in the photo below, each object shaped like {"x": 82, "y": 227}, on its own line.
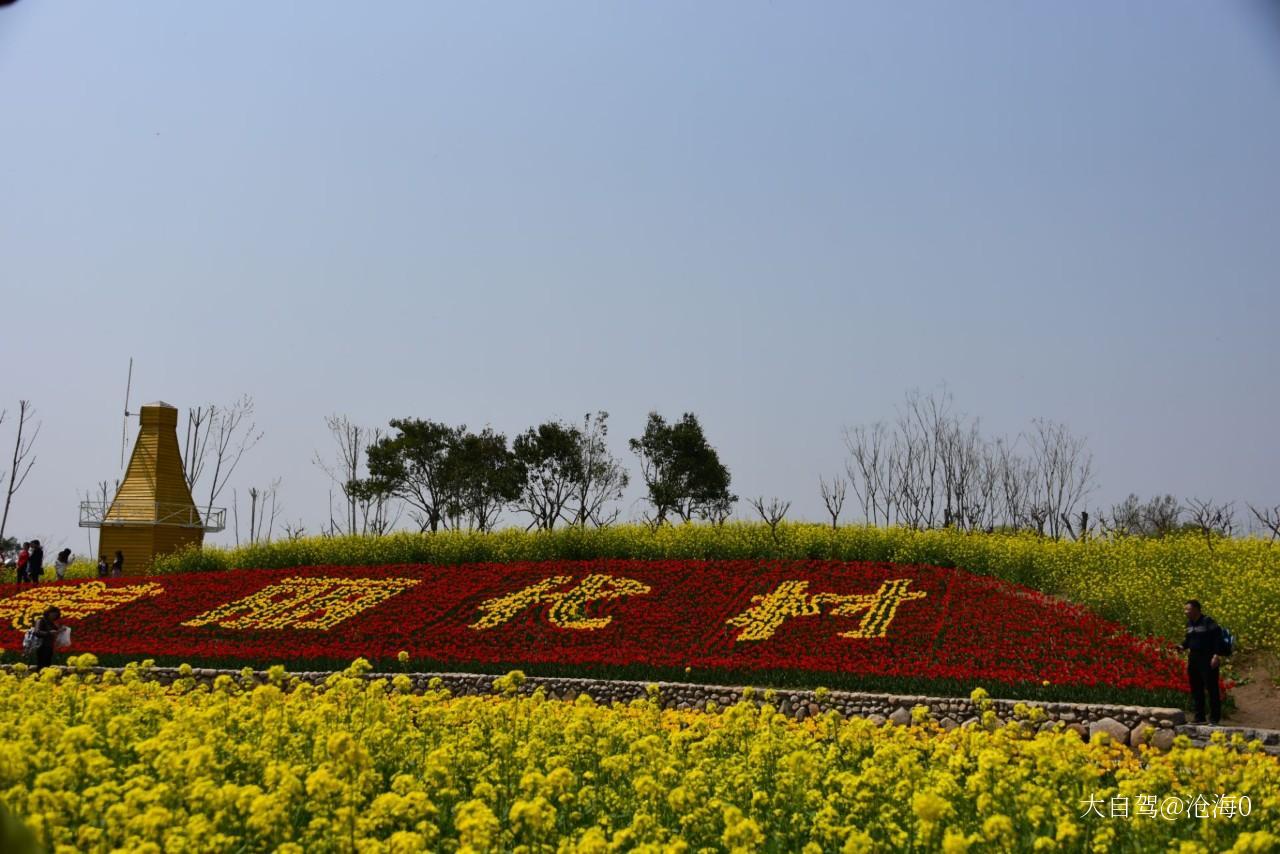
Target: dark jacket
{"x": 1203, "y": 638}
{"x": 47, "y": 631}
{"x": 35, "y": 564}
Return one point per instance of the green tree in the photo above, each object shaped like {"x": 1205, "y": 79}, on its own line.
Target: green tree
{"x": 552, "y": 456}
{"x": 603, "y": 477}
{"x": 411, "y": 464}
{"x": 480, "y": 475}
{"x": 682, "y": 472}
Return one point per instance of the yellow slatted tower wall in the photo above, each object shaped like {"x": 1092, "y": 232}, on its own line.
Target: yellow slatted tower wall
{"x": 153, "y": 512}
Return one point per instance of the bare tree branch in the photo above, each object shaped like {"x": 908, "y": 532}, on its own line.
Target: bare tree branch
{"x": 772, "y": 512}
{"x": 263, "y": 511}
{"x": 1213, "y": 519}
{"x": 196, "y": 448}
{"x": 369, "y": 511}
{"x": 22, "y": 460}
{"x": 833, "y": 495}
{"x": 1270, "y": 519}
{"x": 1063, "y": 469}
{"x": 932, "y": 466}
{"x": 230, "y": 432}
{"x": 871, "y": 470}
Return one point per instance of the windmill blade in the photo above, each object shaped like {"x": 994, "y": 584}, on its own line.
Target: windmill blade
{"x": 124, "y": 427}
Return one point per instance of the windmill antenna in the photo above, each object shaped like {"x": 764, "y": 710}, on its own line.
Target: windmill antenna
{"x": 124, "y": 427}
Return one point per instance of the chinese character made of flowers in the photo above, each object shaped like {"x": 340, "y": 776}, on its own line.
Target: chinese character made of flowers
{"x": 303, "y": 603}
{"x": 792, "y": 599}
{"x": 75, "y": 601}
{"x": 568, "y": 607}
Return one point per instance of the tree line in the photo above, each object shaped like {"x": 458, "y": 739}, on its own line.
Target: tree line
{"x": 450, "y": 477}
{"x": 932, "y": 467}
{"x": 927, "y": 467}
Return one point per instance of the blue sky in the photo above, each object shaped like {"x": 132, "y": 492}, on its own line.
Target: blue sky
{"x": 779, "y": 216}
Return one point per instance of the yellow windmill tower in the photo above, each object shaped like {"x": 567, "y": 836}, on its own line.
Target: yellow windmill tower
{"x": 153, "y": 512}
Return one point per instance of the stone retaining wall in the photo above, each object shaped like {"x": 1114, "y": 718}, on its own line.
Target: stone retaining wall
{"x": 1130, "y": 725}
{"x": 950, "y": 712}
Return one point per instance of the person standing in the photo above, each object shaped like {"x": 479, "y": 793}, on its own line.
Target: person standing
{"x": 24, "y": 557}
{"x": 103, "y": 566}
{"x": 1202, "y": 641}
{"x": 117, "y": 565}
{"x": 35, "y": 565}
{"x": 47, "y": 629}
{"x": 61, "y": 563}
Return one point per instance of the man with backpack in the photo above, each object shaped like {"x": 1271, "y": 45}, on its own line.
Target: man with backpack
{"x": 1206, "y": 643}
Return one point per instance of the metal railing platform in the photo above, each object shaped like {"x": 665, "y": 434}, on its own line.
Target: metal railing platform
{"x": 125, "y": 513}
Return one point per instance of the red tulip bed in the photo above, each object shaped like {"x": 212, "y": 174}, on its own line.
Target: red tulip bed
{"x": 862, "y": 626}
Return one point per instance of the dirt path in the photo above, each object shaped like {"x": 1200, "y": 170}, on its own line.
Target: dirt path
{"x": 1258, "y": 700}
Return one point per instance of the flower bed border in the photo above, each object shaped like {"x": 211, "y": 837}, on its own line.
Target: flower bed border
{"x": 1132, "y": 725}
{"x": 781, "y": 681}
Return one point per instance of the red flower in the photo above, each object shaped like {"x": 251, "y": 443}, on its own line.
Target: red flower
{"x": 642, "y": 618}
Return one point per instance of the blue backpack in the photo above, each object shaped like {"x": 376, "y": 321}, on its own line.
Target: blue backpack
{"x": 1228, "y": 643}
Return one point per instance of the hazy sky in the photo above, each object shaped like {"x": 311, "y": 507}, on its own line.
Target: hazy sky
{"x": 780, "y": 216}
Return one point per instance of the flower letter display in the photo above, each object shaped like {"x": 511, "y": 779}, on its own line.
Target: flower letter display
{"x": 568, "y": 607}
{"x": 304, "y": 603}
{"x": 792, "y": 599}
{"x": 703, "y": 620}
{"x": 74, "y": 601}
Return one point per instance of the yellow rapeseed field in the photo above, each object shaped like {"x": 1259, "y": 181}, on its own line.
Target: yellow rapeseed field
{"x": 122, "y": 763}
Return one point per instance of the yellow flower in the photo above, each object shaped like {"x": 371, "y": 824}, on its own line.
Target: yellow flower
{"x": 133, "y": 764}
{"x": 954, "y": 842}
{"x": 929, "y": 806}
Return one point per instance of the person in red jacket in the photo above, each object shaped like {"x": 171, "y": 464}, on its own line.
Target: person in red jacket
{"x": 23, "y": 557}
